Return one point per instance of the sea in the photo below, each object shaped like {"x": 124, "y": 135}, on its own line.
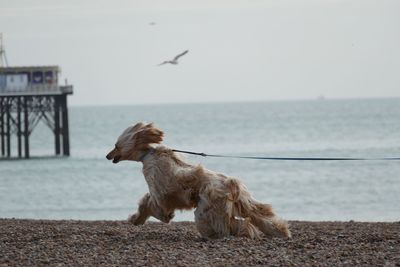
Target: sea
{"x": 85, "y": 186}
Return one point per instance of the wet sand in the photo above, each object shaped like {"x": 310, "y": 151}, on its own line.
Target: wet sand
{"x": 116, "y": 243}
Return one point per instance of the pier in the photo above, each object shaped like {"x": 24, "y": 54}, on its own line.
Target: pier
{"x": 29, "y": 95}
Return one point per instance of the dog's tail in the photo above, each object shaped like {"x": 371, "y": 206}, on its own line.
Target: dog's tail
{"x": 240, "y": 204}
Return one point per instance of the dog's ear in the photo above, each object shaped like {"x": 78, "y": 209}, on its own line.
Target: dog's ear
{"x": 147, "y": 135}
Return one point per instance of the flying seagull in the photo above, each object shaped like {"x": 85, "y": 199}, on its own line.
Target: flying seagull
{"x": 175, "y": 60}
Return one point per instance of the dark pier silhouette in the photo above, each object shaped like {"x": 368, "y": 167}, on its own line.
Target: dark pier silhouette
{"x": 29, "y": 95}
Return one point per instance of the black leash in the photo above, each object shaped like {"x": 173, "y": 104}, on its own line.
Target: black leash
{"x": 275, "y": 158}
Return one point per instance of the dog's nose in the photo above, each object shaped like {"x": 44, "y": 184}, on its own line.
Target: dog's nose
{"x": 110, "y": 155}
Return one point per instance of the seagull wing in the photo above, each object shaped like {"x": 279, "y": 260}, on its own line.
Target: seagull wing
{"x": 165, "y": 62}
{"x": 181, "y": 54}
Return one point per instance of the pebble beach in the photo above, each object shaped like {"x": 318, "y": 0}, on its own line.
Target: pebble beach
{"x": 117, "y": 243}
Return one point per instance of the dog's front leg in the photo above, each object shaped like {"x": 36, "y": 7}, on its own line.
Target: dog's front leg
{"x": 143, "y": 212}
{"x": 147, "y": 208}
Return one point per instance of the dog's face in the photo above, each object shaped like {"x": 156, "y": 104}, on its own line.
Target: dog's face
{"x": 134, "y": 141}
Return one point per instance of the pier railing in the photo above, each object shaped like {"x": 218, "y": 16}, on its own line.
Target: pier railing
{"x": 38, "y": 90}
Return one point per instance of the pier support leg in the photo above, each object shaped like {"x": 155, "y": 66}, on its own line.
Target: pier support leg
{"x": 57, "y": 131}
{"x": 65, "y": 127}
{"x": 3, "y": 152}
{"x": 19, "y": 134}
{"x": 8, "y": 121}
{"x": 26, "y": 127}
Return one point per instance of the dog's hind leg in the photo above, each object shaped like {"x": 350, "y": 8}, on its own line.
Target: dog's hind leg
{"x": 208, "y": 222}
{"x": 244, "y": 227}
{"x": 267, "y": 222}
{"x": 147, "y": 208}
{"x": 212, "y": 222}
{"x": 241, "y": 204}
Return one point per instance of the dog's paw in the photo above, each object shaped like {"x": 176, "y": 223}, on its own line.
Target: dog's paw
{"x": 170, "y": 216}
{"x": 202, "y": 239}
{"x": 166, "y": 218}
{"x": 132, "y": 218}
{"x": 135, "y": 219}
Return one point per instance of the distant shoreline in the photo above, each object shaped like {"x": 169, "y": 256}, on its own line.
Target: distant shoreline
{"x": 72, "y": 242}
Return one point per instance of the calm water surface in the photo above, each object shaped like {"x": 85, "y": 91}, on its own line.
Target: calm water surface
{"x": 87, "y": 186}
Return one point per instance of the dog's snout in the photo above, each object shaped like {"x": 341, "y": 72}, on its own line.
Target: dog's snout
{"x": 111, "y": 154}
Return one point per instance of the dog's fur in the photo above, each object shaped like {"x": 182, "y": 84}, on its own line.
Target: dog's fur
{"x": 223, "y": 205}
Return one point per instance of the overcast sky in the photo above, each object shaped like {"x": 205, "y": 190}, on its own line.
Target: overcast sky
{"x": 238, "y": 50}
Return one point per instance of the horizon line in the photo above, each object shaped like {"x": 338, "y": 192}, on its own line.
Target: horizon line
{"x": 320, "y": 98}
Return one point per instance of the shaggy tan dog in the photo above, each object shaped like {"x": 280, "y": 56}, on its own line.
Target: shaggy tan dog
{"x": 223, "y": 205}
